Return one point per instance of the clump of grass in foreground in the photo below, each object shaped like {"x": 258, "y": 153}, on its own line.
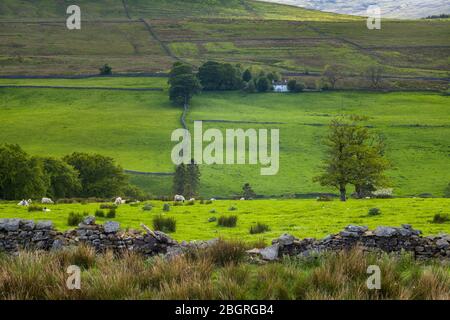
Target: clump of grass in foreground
{"x": 259, "y": 228}
{"x": 227, "y": 221}
{"x": 220, "y": 272}
{"x": 440, "y": 218}
{"x": 74, "y": 219}
{"x": 164, "y": 224}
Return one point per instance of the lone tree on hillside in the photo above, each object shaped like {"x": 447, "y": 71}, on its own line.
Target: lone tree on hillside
{"x": 354, "y": 156}
{"x": 332, "y": 74}
{"x": 374, "y": 75}
{"x": 248, "y": 192}
{"x": 105, "y": 70}
{"x": 183, "y": 84}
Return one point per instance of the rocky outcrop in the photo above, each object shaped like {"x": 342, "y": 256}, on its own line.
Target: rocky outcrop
{"x": 387, "y": 239}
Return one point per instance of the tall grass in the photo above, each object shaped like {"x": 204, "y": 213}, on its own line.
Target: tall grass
{"x": 220, "y": 272}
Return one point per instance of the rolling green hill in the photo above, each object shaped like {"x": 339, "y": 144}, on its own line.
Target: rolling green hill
{"x": 252, "y": 33}
{"x": 135, "y": 128}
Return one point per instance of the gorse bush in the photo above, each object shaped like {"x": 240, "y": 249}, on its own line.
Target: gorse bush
{"x": 441, "y": 218}
{"x": 259, "y": 228}
{"x": 74, "y": 219}
{"x": 227, "y": 221}
{"x": 374, "y": 212}
{"x": 99, "y": 213}
{"x": 164, "y": 224}
{"x": 111, "y": 213}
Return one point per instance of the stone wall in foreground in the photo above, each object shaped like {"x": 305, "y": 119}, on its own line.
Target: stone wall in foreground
{"x": 18, "y": 234}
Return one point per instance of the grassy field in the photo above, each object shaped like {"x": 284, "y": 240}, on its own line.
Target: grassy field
{"x": 252, "y": 33}
{"x": 135, "y": 128}
{"x": 302, "y": 218}
{"x": 223, "y": 273}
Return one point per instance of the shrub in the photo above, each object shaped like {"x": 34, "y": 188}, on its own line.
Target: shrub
{"x": 74, "y": 219}
{"x": 227, "y": 221}
{"x": 108, "y": 206}
{"x": 35, "y": 208}
{"x": 441, "y": 218}
{"x": 210, "y": 201}
{"x": 99, "y": 213}
{"x": 105, "y": 70}
{"x": 190, "y": 203}
{"x": 177, "y": 203}
{"x": 111, "y": 213}
{"x": 147, "y": 207}
{"x": 166, "y": 207}
{"x": 164, "y": 224}
{"x": 259, "y": 228}
{"x": 374, "y": 212}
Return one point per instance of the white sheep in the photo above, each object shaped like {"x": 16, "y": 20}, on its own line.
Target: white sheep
{"x": 119, "y": 201}
{"x": 23, "y": 203}
{"x": 212, "y": 199}
{"x": 192, "y": 199}
{"x": 47, "y": 201}
{"x": 178, "y": 198}
{"x": 242, "y": 199}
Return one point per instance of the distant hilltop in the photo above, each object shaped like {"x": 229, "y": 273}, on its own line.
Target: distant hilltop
{"x": 406, "y": 9}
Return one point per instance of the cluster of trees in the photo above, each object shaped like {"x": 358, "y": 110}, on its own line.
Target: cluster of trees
{"x": 186, "y": 180}
{"x": 75, "y": 175}
{"x": 354, "y": 156}
{"x": 215, "y": 76}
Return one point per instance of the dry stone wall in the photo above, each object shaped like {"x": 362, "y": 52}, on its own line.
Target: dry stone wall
{"x": 19, "y": 234}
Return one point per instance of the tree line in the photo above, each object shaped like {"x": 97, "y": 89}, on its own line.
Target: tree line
{"x": 75, "y": 175}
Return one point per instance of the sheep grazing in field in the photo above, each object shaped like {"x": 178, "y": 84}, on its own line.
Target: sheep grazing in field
{"x": 29, "y": 201}
{"x": 242, "y": 199}
{"x": 179, "y": 198}
{"x": 23, "y": 203}
{"x": 47, "y": 201}
{"x": 192, "y": 199}
{"x": 212, "y": 199}
{"x": 119, "y": 201}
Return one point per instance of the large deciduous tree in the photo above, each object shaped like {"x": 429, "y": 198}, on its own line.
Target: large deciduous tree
{"x": 183, "y": 84}
{"x": 21, "y": 176}
{"x": 99, "y": 175}
{"x": 354, "y": 156}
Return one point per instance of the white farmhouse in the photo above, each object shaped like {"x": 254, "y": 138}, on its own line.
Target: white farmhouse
{"x": 280, "y": 86}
